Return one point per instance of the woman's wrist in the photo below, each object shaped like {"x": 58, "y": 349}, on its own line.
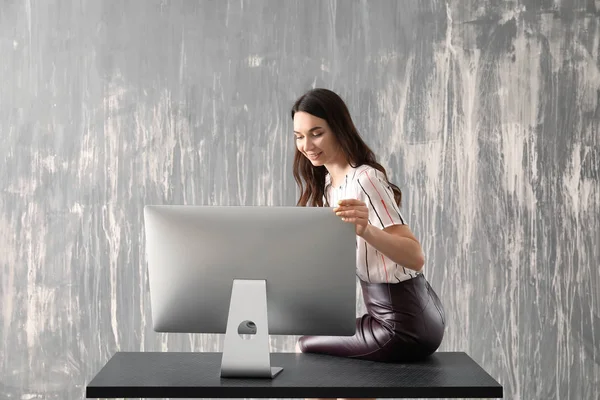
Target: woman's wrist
{"x": 368, "y": 233}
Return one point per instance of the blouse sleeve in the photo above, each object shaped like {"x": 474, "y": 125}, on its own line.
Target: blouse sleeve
{"x": 375, "y": 191}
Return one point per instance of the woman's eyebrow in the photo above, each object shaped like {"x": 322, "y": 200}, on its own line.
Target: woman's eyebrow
{"x": 311, "y": 129}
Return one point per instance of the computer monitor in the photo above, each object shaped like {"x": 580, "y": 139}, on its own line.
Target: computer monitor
{"x": 249, "y": 272}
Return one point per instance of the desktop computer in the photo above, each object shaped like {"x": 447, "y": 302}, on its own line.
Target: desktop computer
{"x": 250, "y": 272}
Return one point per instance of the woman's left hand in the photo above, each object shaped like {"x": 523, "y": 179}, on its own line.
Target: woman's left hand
{"x": 355, "y": 212}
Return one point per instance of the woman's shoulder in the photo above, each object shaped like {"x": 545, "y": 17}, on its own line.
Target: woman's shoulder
{"x": 365, "y": 172}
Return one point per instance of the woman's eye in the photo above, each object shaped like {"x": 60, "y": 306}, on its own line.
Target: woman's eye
{"x": 313, "y": 135}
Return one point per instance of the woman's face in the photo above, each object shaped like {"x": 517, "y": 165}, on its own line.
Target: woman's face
{"x": 314, "y": 139}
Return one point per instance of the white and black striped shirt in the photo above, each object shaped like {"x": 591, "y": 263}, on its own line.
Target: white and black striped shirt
{"x": 367, "y": 184}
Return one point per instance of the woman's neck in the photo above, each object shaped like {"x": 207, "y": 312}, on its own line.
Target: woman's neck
{"x": 338, "y": 172}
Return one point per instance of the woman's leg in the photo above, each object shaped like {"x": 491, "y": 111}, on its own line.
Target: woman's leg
{"x": 405, "y": 322}
{"x": 418, "y": 321}
{"x": 368, "y": 343}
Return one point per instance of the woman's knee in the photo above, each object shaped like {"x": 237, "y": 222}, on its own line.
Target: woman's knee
{"x": 298, "y": 348}
{"x": 301, "y": 344}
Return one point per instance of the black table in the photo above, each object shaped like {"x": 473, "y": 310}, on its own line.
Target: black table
{"x": 167, "y": 374}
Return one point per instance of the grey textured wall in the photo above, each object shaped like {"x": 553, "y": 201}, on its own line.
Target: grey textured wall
{"x": 487, "y": 115}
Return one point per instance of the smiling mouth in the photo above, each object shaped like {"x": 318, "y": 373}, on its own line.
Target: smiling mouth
{"x": 314, "y": 156}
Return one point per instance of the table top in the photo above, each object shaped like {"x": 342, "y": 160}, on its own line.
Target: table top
{"x": 187, "y": 374}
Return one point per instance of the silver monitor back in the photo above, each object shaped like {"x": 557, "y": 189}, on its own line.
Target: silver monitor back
{"x": 306, "y": 255}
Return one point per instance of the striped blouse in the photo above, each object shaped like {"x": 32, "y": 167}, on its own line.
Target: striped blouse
{"x": 367, "y": 184}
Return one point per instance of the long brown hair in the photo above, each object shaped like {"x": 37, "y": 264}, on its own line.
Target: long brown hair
{"x": 327, "y": 105}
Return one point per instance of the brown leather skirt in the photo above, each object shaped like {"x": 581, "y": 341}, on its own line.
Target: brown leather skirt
{"x": 404, "y": 322}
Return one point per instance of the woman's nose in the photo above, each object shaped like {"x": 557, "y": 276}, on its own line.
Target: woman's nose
{"x": 308, "y": 145}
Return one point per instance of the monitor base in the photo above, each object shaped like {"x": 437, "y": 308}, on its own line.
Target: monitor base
{"x": 247, "y": 357}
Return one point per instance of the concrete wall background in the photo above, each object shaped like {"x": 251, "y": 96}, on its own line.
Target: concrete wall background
{"x": 486, "y": 114}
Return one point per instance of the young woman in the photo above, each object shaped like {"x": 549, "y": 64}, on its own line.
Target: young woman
{"x": 335, "y": 168}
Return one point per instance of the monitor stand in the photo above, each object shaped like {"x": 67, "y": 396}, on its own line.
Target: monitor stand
{"x": 247, "y": 358}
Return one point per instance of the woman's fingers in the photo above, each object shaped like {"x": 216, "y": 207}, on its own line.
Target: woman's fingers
{"x": 349, "y": 213}
{"x": 353, "y": 212}
{"x": 345, "y": 208}
{"x": 353, "y": 216}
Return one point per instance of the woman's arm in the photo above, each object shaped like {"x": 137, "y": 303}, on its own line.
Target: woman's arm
{"x": 398, "y": 243}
